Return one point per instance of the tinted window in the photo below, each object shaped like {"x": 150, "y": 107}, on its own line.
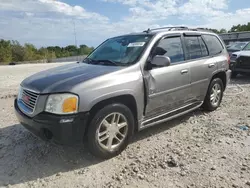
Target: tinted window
{"x": 237, "y": 46}
{"x": 193, "y": 47}
{"x": 170, "y": 47}
{"x": 124, "y": 50}
{"x": 247, "y": 47}
{"x": 204, "y": 51}
{"x": 213, "y": 44}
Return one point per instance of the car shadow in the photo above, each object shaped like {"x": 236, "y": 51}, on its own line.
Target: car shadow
{"x": 24, "y": 157}
{"x": 159, "y": 128}
{"x": 241, "y": 80}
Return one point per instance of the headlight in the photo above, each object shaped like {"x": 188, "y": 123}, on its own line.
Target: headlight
{"x": 20, "y": 93}
{"x": 62, "y": 104}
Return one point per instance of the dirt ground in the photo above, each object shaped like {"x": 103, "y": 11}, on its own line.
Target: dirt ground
{"x": 196, "y": 150}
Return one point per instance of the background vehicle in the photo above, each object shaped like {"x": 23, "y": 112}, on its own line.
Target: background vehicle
{"x": 240, "y": 61}
{"x": 127, "y": 84}
{"x": 237, "y": 46}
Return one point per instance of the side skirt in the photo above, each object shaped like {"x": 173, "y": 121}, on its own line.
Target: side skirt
{"x": 169, "y": 115}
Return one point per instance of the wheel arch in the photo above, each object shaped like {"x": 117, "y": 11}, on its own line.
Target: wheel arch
{"x": 222, "y": 75}
{"x": 126, "y": 99}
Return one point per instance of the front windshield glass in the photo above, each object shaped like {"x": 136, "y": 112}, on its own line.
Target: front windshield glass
{"x": 121, "y": 51}
{"x": 247, "y": 48}
{"x": 238, "y": 46}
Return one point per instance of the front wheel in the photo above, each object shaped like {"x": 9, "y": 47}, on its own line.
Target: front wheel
{"x": 110, "y": 130}
{"x": 214, "y": 95}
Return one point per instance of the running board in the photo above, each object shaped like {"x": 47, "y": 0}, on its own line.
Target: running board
{"x": 169, "y": 115}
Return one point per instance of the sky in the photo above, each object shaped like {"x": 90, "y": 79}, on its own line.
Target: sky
{"x": 51, "y": 22}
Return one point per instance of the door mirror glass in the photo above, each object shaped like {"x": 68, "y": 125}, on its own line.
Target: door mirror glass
{"x": 161, "y": 61}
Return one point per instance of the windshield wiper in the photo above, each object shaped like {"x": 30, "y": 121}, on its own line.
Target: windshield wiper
{"x": 107, "y": 62}
{"x": 101, "y": 62}
{"x": 88, "y": 60}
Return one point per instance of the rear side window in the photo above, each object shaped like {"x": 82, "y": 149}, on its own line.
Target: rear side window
{"x": 195, "y": 47}
{"x": 213, "y": 44}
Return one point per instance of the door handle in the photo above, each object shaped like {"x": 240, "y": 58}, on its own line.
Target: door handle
{"x": 184, "y": 71}
{"x": 211, "y": 65}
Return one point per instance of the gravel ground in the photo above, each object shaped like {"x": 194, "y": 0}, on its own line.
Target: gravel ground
{"x": 196, "y": 150}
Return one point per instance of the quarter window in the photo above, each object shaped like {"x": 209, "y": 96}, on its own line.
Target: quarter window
{"x": 171, "y": 47}
{"x": 214, "y": 45}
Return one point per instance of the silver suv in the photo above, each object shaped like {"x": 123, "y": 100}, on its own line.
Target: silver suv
{"x": 125, "y": 85}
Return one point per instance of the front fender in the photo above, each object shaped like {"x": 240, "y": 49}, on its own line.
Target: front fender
{"x": 109, "y": 96}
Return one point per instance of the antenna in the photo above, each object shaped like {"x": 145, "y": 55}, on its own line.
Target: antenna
{"x": 75, "y": 32}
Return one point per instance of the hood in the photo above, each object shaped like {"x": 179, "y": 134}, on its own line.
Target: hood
{"x": 64, "y": 78}
{"x": 231, "y": 51}
{"x": 242, "y": 53}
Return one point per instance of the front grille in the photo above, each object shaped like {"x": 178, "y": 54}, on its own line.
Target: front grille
{"x": 243, "y": 62}
{"x": 28, "y": 99}
{"x": 233, "y": 57}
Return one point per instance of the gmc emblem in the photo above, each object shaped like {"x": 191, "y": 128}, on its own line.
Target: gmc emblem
{"x": 26, "y": 98}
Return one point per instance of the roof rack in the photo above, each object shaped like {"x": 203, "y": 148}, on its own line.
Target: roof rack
{"x": 166, "y": 28}
{"x": 177, "y": 28}
{"x": 204, "y": 29}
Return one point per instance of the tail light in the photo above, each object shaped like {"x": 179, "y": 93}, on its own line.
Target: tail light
{"x": 228, "y": 59}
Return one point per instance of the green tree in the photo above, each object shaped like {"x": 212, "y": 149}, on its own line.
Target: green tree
{"x": 223, "y": 31}
{"x": 30, "y": 52}
{"x": 240, "y": 28}
{"x": 14, "y": 51}
{"x": 18, "y": 51}
{"x": 85, "y": 50}
{"x": 5, "y": 51}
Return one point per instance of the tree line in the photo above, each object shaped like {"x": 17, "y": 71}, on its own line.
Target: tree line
{"x": 235, "y": 28}
{"x": 13, "y": 51}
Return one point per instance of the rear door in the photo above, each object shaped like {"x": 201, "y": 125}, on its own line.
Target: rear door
{"x": 198, "y": 56}
{"x": 204, "y": 53}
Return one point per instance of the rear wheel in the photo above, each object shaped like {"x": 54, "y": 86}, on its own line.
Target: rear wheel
{"x": 110, "y": 130}
{"x": 214, "y": 95}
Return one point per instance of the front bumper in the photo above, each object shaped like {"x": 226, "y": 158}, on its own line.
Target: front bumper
{"x": 60, "y": 129}
{"x": 236, "y": 67}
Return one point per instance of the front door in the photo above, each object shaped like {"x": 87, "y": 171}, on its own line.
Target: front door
{"x": 168, "y": 87}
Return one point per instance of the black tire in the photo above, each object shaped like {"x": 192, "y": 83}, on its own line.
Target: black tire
{"x": 234, "y": 74}
{"x": 93, "y": 145}
{"x": 207, "y": 105}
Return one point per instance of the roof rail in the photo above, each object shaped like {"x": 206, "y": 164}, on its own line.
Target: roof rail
{"x": 204, "y": 29}
{"x": 166, "y": 28}
{"x": 177, "y": 28}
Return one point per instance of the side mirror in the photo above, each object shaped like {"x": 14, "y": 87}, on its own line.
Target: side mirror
{"x": 160, "y": 61}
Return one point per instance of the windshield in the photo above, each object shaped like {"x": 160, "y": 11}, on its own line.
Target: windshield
{"x": 121, "y": 51}
{"x": 238, "y": 46}
{"x": 247, "y": 48}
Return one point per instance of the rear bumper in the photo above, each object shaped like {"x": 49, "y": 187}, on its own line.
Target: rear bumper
{"x": 228, "y": 75}
{"x": 65, "y": 130}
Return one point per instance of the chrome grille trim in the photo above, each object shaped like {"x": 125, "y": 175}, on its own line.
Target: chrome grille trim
{"x": 233, "y": 57}
{"x": 28, "y": 105}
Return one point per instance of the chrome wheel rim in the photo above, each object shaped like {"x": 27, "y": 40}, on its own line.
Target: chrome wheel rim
{"x": 112, "y": 131}
{"x": 215, "y": 94}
